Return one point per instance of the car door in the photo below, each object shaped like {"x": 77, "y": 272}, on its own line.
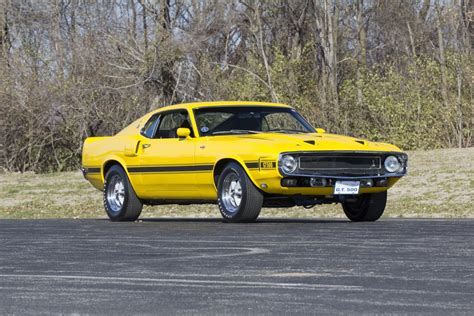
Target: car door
{"x": 166, "y": 161}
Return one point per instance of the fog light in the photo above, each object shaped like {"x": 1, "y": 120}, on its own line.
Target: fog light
{"x": 383, "y": 182}
{"x": 317, "y": 182}
{"x": 288, "y": 182}
{"x": 367, "y": 183}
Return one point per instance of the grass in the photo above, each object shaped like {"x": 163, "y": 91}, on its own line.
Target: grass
{"x": 440, "y": 184}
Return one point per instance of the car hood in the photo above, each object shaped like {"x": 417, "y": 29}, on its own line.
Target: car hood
{"x": 310, "y": 142}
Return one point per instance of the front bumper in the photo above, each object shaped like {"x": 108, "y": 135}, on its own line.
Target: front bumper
{"x": 274, "y": 186}
{"x": 329, "y": 181}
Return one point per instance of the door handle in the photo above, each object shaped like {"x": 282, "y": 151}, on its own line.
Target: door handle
{"x": 146, "y": 146}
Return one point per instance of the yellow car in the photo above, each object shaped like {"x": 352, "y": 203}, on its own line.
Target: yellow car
{"x": 242, "y": 156}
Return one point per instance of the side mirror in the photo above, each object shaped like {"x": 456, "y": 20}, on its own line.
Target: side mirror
{"x": 320, "y": 130}
{"x": 183, "y": 132}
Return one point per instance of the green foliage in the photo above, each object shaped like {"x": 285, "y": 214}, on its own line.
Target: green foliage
{"x": 393, "y": 108}
{"x": 400, "y": 107}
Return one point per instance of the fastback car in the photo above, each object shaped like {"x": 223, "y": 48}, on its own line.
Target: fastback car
{"x": 242, "y": 156}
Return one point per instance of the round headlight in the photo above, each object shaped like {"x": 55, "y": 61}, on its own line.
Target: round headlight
{"x": 392, "y": 164}
{"x": 288, "y": 164}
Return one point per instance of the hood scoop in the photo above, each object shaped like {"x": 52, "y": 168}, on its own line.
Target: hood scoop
{"x": 360, "y": 141}
{"x": 311, "y": 142}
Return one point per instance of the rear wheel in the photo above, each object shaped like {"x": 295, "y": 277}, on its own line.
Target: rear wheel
{"x": 239, "y": 200}
{"x": 367, "y": 207}
{"x": 120, "y": 201}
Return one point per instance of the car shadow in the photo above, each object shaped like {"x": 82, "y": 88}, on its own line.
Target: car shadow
{"x": 259, "y": 221}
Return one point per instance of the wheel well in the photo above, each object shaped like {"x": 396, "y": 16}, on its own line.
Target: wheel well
{"x": 220, "y": 167}
{"x": 109, "y": 165}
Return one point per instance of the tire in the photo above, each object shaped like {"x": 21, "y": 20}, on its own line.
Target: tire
{"x": 120, "y": 201}
{"x": 234, "y": 207}
{"x": 367, "y": 208}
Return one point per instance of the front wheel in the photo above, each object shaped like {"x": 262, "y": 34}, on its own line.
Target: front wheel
{"x": 239, "y": 200}
{"x": 120, "y": 201}
{"x": 366, "y": 208}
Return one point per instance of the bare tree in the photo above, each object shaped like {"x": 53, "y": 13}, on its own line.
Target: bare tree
{"x": 73, "y": 69}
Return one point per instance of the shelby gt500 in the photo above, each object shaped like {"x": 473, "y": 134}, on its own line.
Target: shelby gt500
{"x": 242, "y": 156}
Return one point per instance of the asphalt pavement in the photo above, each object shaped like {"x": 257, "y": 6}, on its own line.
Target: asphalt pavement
{"x": 193, "y": 266}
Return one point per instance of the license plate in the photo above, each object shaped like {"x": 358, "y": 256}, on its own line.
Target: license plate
{"x": 347, "y": 187}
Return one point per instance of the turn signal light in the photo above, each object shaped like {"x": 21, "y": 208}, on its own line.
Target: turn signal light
{"x": 288, "y": 182}
{"x": 318, "y": 182}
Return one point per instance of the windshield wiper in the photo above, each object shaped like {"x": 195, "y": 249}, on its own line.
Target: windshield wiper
{"x": 235, "y": 131}
{"x": 291, "y": 131}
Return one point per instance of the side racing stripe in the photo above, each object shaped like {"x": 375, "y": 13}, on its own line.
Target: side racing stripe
{"x": 92, "y": 170}
{"x": 155, "y": 169}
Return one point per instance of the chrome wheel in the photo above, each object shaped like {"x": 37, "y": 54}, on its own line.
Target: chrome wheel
{"x": 115, "y": 193}
{"x": 238, "y": 198}
{"x": 232, "y": 192}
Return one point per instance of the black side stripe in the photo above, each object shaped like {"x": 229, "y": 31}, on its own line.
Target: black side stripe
{"x": 92, "y": 170}
{"x": 252, "y": 165}
{"x": 170, "y": 169}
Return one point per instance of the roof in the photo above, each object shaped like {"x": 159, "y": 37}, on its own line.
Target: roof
{"x": 195, "y": 105}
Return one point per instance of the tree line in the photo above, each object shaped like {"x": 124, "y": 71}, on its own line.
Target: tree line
{"x": 389, "y": 70}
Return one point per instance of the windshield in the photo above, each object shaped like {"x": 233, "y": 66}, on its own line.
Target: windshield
{"x": 249, "y": 119}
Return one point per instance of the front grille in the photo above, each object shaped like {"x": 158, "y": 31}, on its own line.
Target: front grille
{"x": 340, "y": 163}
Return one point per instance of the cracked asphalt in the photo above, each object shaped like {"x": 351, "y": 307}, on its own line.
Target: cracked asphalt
{"x": 204, "y": 266}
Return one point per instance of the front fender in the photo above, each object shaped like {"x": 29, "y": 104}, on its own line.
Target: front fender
{"x": 251, "y": 168}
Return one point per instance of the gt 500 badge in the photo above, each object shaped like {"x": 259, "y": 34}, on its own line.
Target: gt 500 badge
{"x": 267, "y": 164}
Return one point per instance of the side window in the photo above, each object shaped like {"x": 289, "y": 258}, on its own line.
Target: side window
{"x": 170, "y": 123}
{"x": 150, "y": 126}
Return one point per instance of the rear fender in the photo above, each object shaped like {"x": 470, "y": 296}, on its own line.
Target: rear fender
{"x": 121, "y": 162}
